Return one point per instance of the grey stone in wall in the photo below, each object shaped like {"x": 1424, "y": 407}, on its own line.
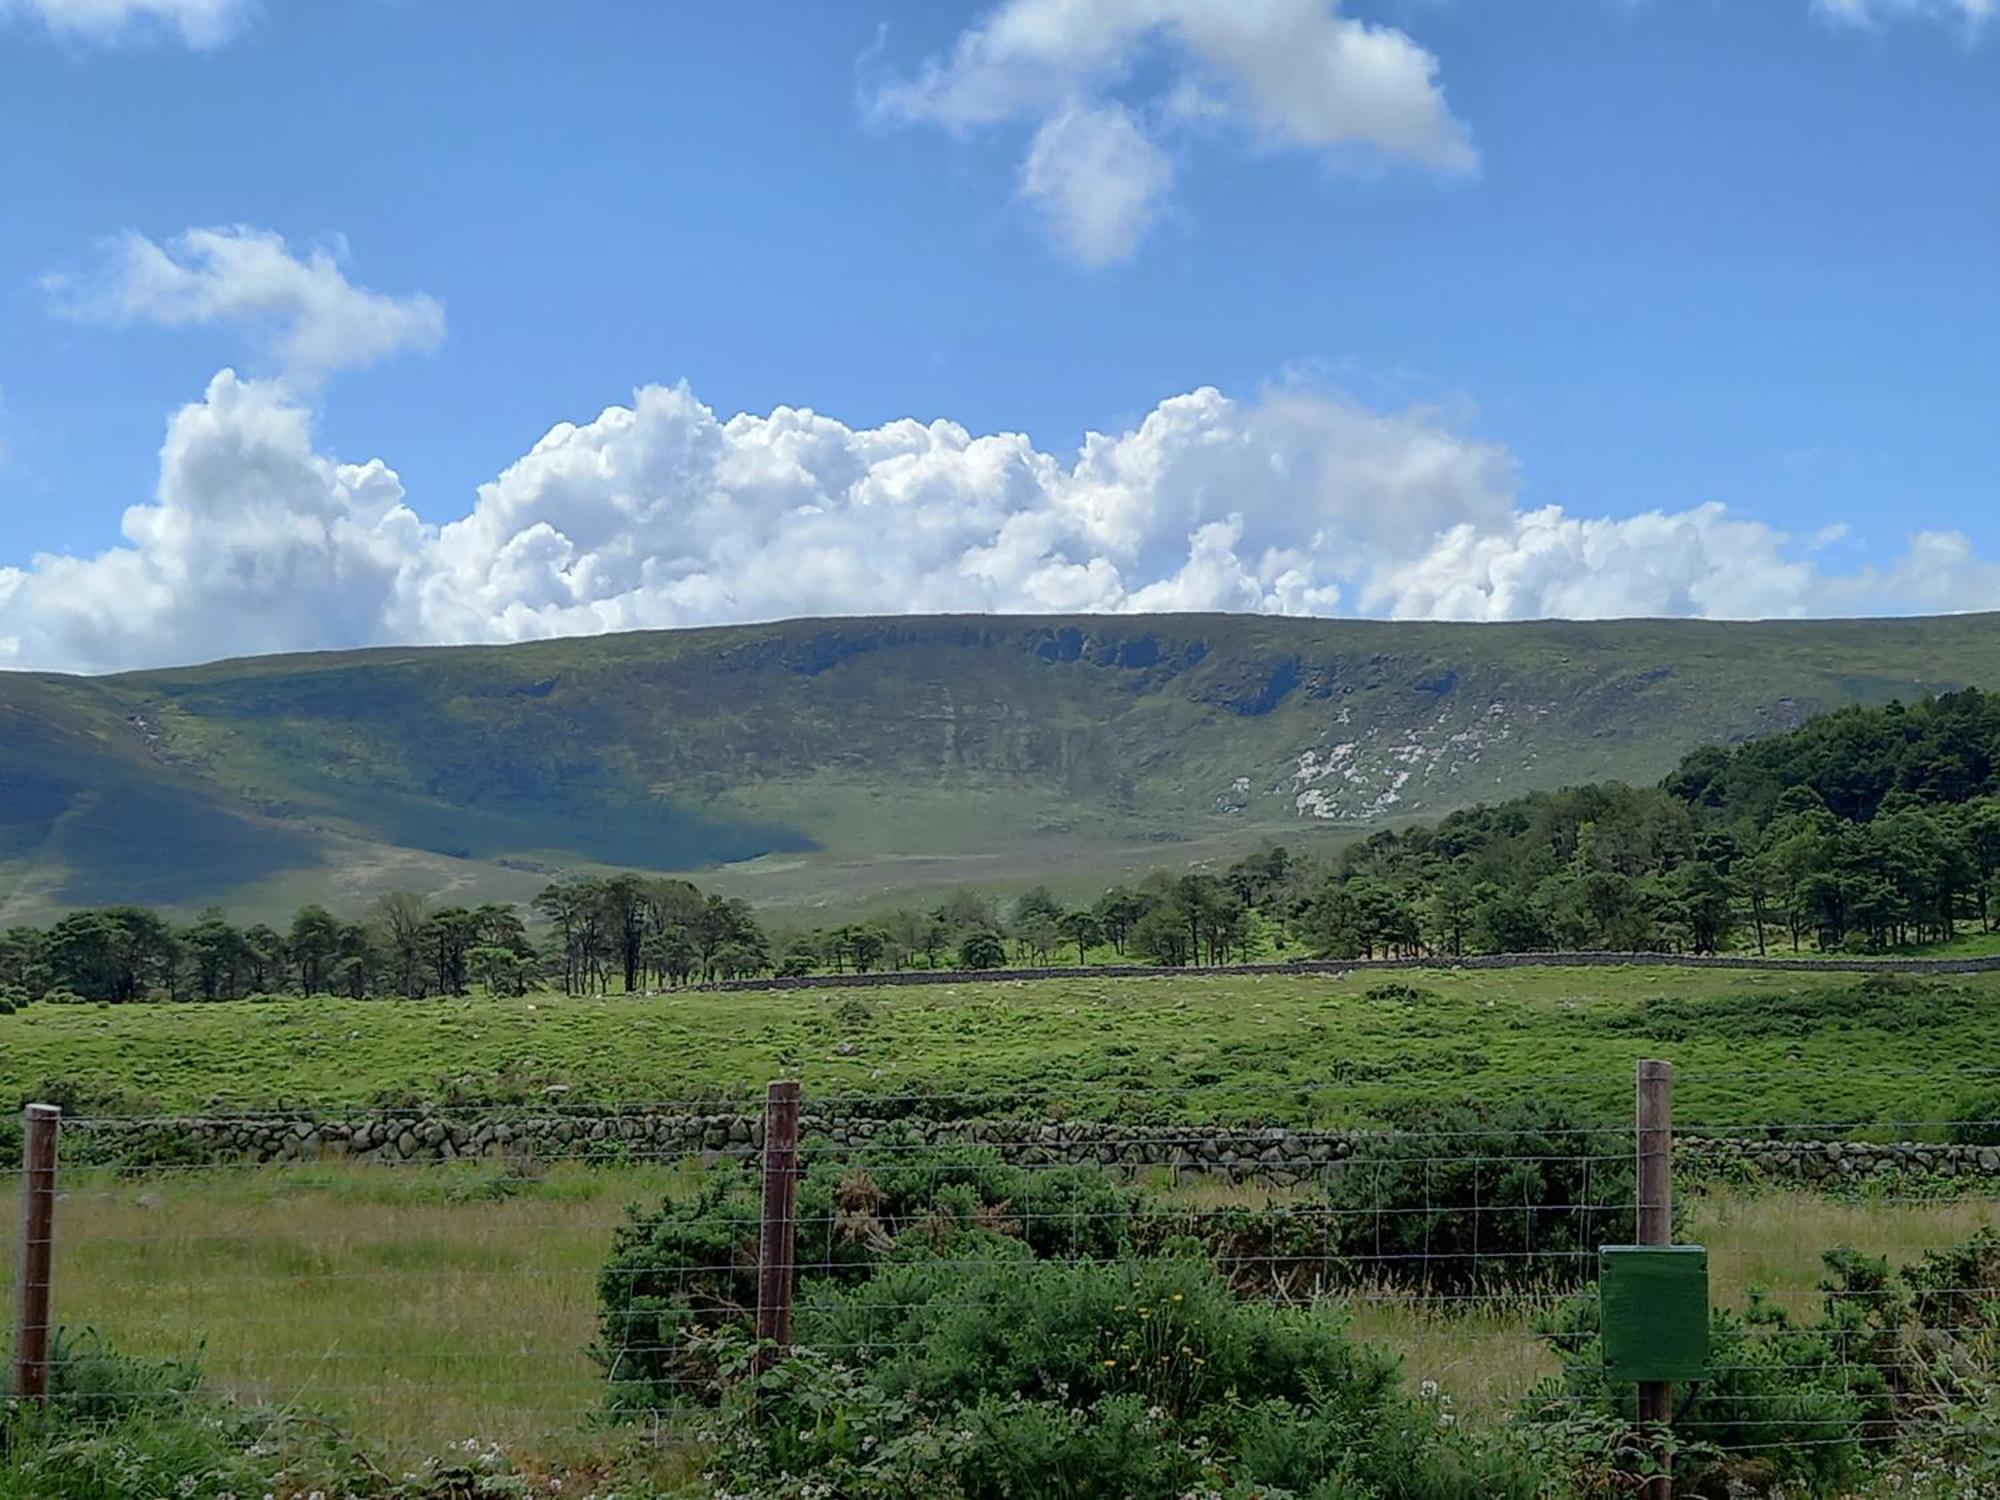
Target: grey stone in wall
{"x": 1274, "y": 1154}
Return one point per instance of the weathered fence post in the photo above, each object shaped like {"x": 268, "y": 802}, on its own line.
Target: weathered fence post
{"x": 38, "y": 1226}
{"x": 1655, "y": 1120}
{"x": 777, "y": 1242}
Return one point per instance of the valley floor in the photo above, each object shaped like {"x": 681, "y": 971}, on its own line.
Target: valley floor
{"x": 1882, "y": 1053}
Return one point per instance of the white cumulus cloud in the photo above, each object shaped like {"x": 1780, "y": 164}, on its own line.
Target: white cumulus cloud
{"x": 1103, "y": 80}
{"x": 254, "y": 542}
{"x": 664, "y": 513}
{"x": 198, "y": 23}
{"x": 315, "y": 319}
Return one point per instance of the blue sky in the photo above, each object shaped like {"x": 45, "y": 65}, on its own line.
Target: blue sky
{"x": 1616, "y": 257}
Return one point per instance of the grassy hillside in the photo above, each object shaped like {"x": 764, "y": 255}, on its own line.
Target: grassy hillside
{"x": 1784, "y": 1049}
{"x": 844, "y": 759}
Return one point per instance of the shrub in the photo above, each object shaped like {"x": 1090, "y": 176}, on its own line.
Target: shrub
{"x": 675, "y": 1273}
{"x": 1976, "y": 1121}
{"x": 116, "y": 1425}
{"x": 1896, "y": 1003}
{"x": 982, "y": 950}
{"x": 1471, "y": 1197}
{"x": 1777, "y": 1397}
{"x": 1397, "y": 991}
{"x": 690, "y": 1265}
{"x": 976, "y": 1372}
{"x": 853, "y": 1209}
{"x": 1887, "y": 1355}
{"x": 90, "y": 1381}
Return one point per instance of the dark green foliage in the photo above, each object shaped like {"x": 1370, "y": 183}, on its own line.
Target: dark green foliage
{"x": 1482, "y": 1198}
{"x": 689, "y": 1265}
{"x": 976, "y": 1313}
{"x": 640, "y": 931}
{"x": 1941, "y": 750}
{"x": 1866, "y": 829}
{"x": 91, "y": 1381}
{"x": 1887, "y": 1354}
{"x": 1398, "y": 993}
{"x": 982, "y": 950}
{"x": 675, "y": 1274}
{"x": 851, "y": 1210}
{"x": 116, "y": 1427}
{"x": 1976, "y": 1121}
{"x": 978, "y": 1372}
{"x": 1777, "y": 1392}
{"x": 1888, "y": 1003}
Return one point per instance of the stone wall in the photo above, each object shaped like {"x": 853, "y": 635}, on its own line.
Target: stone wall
{"x": 1986, "y": 965}
{"x": 1274, "y": 1154}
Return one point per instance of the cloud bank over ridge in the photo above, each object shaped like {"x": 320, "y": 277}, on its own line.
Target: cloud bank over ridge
{"x": 664, "y": 513}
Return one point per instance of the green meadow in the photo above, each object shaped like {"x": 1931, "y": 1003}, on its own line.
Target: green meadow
{"x": 1780, "y": 1050}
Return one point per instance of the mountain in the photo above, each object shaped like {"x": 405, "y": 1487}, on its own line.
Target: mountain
{"x": 835, "y": 760}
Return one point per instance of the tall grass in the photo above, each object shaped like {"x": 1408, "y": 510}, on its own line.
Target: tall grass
{"x": 425, "y": 1306}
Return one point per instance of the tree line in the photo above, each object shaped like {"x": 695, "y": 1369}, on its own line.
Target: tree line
{"x": 1864, "y": 829}
{"x": 629, "y": 928}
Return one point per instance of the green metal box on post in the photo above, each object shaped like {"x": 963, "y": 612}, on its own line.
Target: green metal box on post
{"x": 1653, "y": 1312}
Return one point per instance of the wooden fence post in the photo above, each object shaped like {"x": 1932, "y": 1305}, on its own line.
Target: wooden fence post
{"x": 1655, "y": 1120}
{"x": 777, "y": 1242}
{"x": 41, "y": 1123}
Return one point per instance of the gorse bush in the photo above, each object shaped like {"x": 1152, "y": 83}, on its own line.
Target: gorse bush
{"x": 1478, "y": 1197}
{"x": 1778, "y": 1399}
{"x": 1463, "y": 1198}
{"x": 91, "y": 1381}
{"x": 674, "y": 1273}
{"x": 690, "y": 1265}
{"x": 976, "y": 1371}
{"x": 851, "y": 1210}
{"x": 1399, "y": 992}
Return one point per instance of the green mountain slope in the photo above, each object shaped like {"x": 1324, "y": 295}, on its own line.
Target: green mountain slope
{"x": 819, "y": 760}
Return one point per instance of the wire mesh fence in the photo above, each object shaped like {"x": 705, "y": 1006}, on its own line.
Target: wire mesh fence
{"x": 533, "y": 1269}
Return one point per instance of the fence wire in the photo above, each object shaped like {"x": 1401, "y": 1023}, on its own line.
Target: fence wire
{"x": 505, "y": 1291}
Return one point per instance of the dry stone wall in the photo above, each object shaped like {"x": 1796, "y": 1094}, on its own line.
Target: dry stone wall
{"x": 1559, "y": 960}
{"x": 1275, "y": 1154}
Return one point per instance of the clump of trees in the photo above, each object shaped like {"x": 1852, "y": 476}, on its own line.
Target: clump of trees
{"x": 625, "y": 929}
{"x": 647, "y": 933}
{"x": 1196, "y": 917}
{"x": 1863, "y": 830}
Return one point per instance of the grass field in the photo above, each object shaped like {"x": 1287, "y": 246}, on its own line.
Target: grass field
{"x": 421, "y": 1307}
{"x": 1752, "y": 1049}
{"x": 425, "y": 1306}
